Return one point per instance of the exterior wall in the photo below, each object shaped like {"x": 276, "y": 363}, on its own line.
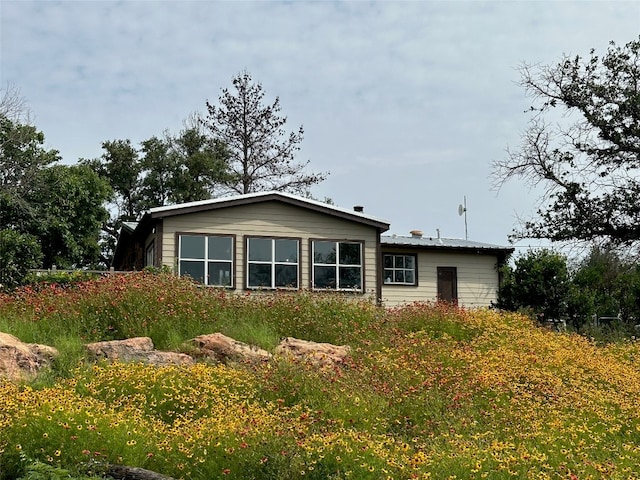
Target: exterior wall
{"x": 477, "y": 277}
{"x": 274, "y": 219}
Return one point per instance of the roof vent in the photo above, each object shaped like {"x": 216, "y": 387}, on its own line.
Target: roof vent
{"x": 358, "y": 208}
{"x": 416, "y": 233}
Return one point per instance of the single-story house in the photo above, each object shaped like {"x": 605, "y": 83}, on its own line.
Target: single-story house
{"x": 275, "y": 240}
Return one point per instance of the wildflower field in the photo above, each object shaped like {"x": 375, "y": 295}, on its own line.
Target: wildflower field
{"x": 431, "y": 391}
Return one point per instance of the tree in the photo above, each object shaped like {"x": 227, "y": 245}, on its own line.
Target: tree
{"x": 13, "y": 105}
{"x": 48, "y": 212}
{"x": 588, "y": 169}
{"x": 120, "y": 165}
{"x": 539, "y": 282}
{"x": 22, "y": 157}
{"x": 69, "y": 205}
{"x": 199, "y": 165}
{"x": 261, "y": 154}
{"x": 19, "y": 252}
{"x": 604, "y": 283}
{"x": 165, "y": 170}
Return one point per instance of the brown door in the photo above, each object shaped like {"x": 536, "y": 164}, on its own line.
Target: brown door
{"x": 447, "y": 284}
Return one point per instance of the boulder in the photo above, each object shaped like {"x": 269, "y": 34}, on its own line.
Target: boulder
{"x": 138, "y": 349}
{"x": 224, "y": 349}
{"x": 23, "y": 361}
{"x": 320, "y": 354}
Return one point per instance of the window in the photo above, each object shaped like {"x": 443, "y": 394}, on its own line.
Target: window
{"x": 400, "y": 270}
{"x": 206, "y": 259}
{"x": 272, "y": 263}
{"x": 149, "y": 255}
{"x": 337, "y": 265}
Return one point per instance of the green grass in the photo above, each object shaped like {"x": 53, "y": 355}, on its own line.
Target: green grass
{"x": 430, "y": 391}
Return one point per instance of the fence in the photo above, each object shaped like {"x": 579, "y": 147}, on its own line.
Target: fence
{"x": 54, "y": 269}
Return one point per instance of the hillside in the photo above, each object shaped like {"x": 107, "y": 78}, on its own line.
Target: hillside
{"x": 430, "y": 391}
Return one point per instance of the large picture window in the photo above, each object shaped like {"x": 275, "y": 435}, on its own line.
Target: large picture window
{"x": 337, "y": 265}
{"x": 206, "y": 259}
{"x": 399, "y": 269}
{"x": 272, "y": 262}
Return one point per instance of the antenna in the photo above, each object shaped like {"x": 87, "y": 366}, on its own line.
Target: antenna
{"x": 462, "y": 210}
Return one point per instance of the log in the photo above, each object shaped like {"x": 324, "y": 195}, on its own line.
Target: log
{"x": 122, "y": 472}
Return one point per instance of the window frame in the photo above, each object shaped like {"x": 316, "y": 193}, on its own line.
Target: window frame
{"x": 273, "y": 263}
{"x": 313, "y": 264}
{"x": 150, "y": 254}
{"x": 394, "y": 269}
{"x": 206, "y": 260}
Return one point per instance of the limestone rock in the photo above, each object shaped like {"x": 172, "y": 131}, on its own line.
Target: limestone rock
{"x": 22, "y": 361}
{"x": 321, "y": 354}
{"x": 138, "y": 349}
{"x": 223, "y": 349}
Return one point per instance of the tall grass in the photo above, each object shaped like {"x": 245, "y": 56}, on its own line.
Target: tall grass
{"x": 431, "y": 391}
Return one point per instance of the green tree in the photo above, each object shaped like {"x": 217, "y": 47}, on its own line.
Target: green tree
{"x": 69, "y": 202}
{"x": 165, "y": 170}
{"x": 588, "y": 169}
{"x": 605, "y": 284}
{"x": 19, "y": 252}
{"x": 120, "y": 165}
{"x": 22, "y": 159}
{"x": 261, "y": 153}
{"x": 48, "y": 212}
{"x": 538, "y": 282}
{"x": 199, "y": 165}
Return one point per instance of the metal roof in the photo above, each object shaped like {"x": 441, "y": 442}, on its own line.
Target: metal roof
{"x": 435, "y": 242}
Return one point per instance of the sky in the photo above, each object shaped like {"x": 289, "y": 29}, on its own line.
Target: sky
{"x": 404, "y": 103}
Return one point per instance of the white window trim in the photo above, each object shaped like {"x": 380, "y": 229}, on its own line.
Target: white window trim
{"x": 337, "y": 265}
{"x": 273, "y": 263}
{"x": 206, "y": 260}
{"x": 394, "y": 269}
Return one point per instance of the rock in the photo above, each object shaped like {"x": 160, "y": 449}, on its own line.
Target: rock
{"x": 122, "y": 472}
{"x": 23, "y": 361}
{"x": 223, "y": 349}
{"x": 321, "y": 354}
{"x": 138, "y": 349}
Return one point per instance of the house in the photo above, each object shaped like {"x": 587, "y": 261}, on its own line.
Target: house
{"x": 275, "y": 240}
{"x": 418, "y": 268}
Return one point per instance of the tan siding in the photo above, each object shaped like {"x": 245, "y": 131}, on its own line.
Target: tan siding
{"x": 477, "y": 279}
{"x": 272, "y": 219}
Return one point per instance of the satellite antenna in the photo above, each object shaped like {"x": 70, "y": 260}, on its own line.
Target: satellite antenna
{"x": 462, "y": 210}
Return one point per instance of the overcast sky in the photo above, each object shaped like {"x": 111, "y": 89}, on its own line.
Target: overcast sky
{"x": 406, "y": 104}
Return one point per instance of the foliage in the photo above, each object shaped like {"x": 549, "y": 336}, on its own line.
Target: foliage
{"x": 57, "y": 206}
{"x": 70, "y": 214}
{"x": 261, "y": 154}
{"x": 19, "y": 252}
{"x": 431, "y": 391}
{"x": 166, "y": 170}
{"x": 589, "y": 169}
{"x": 37, "y": 470}
{"x": 539, "y": 283}
{"x": 607, "y": 285}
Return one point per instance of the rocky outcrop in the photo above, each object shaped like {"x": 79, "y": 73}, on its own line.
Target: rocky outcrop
{"x": 221, "y": 348}
{"x": 23, "y": 361}
{"x": 20, "y": 360}
{"x": 122, "y": 472}
{"x": 138, "y": 349}
{"x": 320, "y": 354}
